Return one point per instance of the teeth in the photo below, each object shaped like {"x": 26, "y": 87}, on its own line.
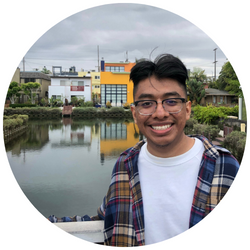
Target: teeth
{"x": 161, "y": 127}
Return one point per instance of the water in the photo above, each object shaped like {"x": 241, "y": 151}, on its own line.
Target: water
{"x": 64, "y": 166}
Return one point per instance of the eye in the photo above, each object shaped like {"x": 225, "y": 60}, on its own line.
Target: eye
{"x": 171, "y": 102}
{"x": 146, "y": 104}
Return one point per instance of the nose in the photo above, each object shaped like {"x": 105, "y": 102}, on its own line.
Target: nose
{"x": 160, "y": 111}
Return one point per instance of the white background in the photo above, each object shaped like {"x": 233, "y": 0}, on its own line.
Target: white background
{"x": 23, "y": 22}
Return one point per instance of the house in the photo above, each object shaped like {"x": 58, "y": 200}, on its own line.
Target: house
{"x": 216, "y": 96}
{"x": 36, "y": 76}
{"x": 115, "y": 85}
{"x": 68, "y": 86}
{"x": 95, "y": 81}
{"x": 32, "y": 76}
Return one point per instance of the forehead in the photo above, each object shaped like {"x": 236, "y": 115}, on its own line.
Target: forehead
{"x": 163, "y": 88}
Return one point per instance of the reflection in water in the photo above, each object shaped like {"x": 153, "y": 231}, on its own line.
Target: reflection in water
{"x": 64, "y": 166}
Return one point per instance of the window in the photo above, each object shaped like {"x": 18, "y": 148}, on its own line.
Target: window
{"x": 64, "y": 82}
{"x": 115, "y": 68}
{"x": 97, "y": 77}
{"x": 56, "y": 97}
{"x": 97, "y": 86}
{"x": 26, "y": 80}
{"x": 117, "y": 93}
{"x": 214, "y": 99}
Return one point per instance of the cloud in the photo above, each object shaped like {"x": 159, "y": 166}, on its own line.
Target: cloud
{"x": 117, "y": 28}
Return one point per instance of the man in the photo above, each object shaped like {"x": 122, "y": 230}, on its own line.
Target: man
{"x": 168, "y": 182}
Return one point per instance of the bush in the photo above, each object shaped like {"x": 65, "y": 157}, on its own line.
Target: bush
{"x": 14, "y": 121}
{"x": 209, "y": 131}
{"x": 87, "y": 104}
{"x": 235, "y": 143}
{"x": 116, "y": 110}
{"x": 21, "y": 105}
{"x": 126, "y": 105}
{"x": 108, "y": 105}
{"x": 211, "y": 114}
{"x": 190, "y": 123}
{"x": 80, "y": 110}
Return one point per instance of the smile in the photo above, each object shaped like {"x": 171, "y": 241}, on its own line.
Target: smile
{"x": 161, "y": 127}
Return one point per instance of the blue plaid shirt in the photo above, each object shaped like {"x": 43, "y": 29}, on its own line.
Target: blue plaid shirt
{"x": 122, "y": 208}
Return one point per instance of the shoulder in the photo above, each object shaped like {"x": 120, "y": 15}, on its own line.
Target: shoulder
{"x": 223, "y": 157}
{"x": 128, "y": 158}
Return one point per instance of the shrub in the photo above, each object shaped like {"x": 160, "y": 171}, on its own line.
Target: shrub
{"x": 235, "y": 143}
{"x": 190, "y": 123}
{"x": 25, "y": 118}
{"x": 80, "y": 110}
{"x": 108, "y": 105}
{"x": 87, "y": 104}
{"x": 211, "y": 114}
{"x": 14, "y": 121}
{"x": 126, "y": 105}
{"x": 116, "y": 110}
{"x": 209, "y": 131}
{"x": 21, "y": 105}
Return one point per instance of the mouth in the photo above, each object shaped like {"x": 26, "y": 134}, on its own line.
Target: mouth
{"x": 163, "y": 127}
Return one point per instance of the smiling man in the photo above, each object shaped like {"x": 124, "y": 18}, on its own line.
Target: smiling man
{"x": 169, "y": 181}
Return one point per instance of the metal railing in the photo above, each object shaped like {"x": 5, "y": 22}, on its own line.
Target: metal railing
{"x": 76, "y": 88}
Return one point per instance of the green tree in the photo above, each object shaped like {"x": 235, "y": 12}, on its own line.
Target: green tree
{"x": 196, "y": 91}
{"x": 13, "y": 92}
{"x": 228, "y": 80}
{"x": 198, "y": 74}
{"x": 30, "y": 89}
{"x": 45, "y": 70}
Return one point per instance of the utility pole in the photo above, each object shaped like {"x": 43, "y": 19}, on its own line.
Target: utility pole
{"x": 215, "y": 63}
{"x": 98, "y": 58}
{"x": 126, "y": 56}
{"x": 23, "y": 65}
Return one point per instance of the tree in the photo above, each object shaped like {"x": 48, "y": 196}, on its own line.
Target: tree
{"x": 13, "y": 92}
{"x": 30, "y": 89}
{"x": 45, "y": 70}
{"x": 198, "y": 74}
{"x": 196, "y": 91}
{"x": 228, "y": 80}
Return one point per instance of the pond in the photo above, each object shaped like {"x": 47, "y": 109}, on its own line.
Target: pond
{"x": 64, "y": 166}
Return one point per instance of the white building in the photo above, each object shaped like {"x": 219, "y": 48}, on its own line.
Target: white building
{"x": 65, "y": 87}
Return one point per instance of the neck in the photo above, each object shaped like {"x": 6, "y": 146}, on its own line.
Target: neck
{"x": 172, "y": 149}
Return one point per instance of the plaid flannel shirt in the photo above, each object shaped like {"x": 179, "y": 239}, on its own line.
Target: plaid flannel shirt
{"x": 122, "y": 207}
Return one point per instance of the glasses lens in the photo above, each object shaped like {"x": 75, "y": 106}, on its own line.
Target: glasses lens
{"x": 146, "y": 107}
{"x": 172, "y": 105}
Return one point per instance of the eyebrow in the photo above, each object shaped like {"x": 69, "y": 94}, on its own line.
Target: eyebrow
{"x": 166, "y": 95}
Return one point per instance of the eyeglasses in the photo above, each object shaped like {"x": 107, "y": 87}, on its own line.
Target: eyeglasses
{"x": 170, "y": 105}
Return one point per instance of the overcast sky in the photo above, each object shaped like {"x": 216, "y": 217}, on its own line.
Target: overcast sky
{"x": 139, "y": 30}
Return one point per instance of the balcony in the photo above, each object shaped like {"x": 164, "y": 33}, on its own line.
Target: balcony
{"x": 76, "y": 88}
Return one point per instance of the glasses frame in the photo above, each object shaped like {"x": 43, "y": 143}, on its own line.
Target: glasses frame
{"x": 183, "y": 100}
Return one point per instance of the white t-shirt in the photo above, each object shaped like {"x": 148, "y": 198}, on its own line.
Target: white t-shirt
{"x": 168, "y": 186}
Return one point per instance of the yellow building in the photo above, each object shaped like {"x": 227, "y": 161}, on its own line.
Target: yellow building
{"x": 116, "y": 138}
{"x": 115, "y": 85}
{"x": 95, "y": 81}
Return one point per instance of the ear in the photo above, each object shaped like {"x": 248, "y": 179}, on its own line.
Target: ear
{"x": 188, "y": 110}
{"x": 133, "y": 113}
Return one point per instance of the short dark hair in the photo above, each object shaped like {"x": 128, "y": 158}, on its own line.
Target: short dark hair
{"x": 164, "y": 66}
